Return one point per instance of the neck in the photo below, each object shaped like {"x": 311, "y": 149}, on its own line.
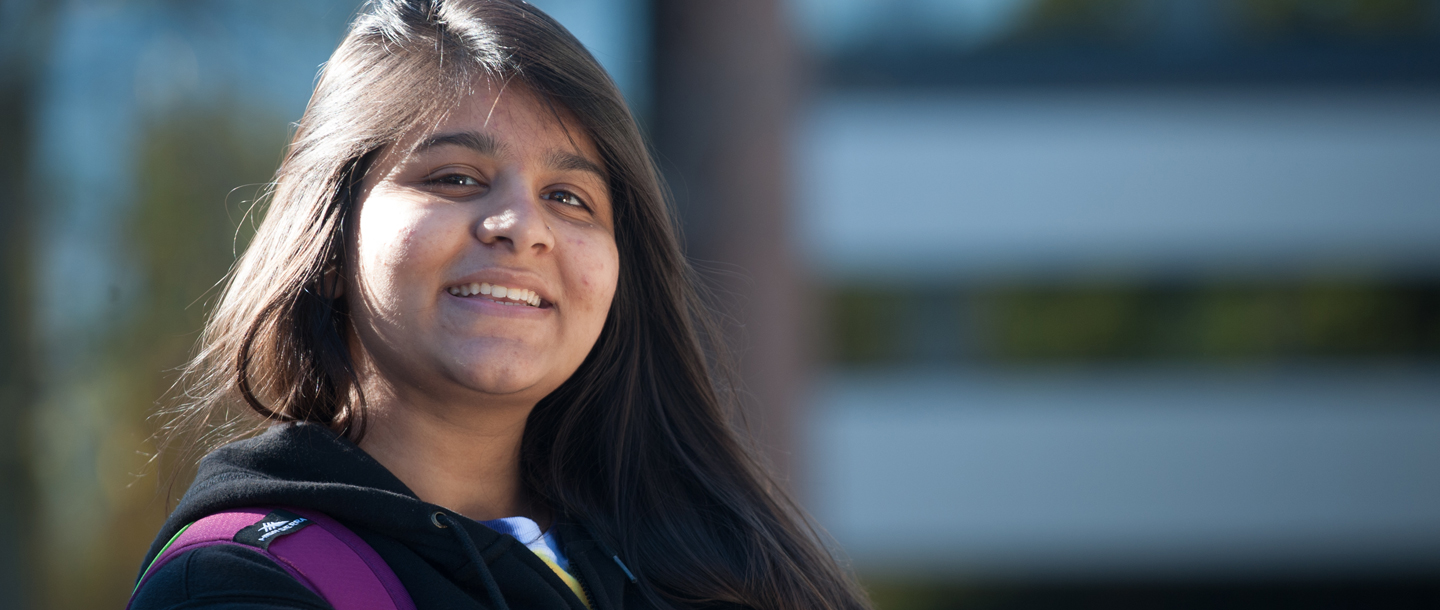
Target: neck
{"x": 463, "y": 457}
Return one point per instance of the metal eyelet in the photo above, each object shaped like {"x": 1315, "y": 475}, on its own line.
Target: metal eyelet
{"x": 435, "y": 518}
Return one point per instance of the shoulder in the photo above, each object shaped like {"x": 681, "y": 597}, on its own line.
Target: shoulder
{"x": 226, "y": 577}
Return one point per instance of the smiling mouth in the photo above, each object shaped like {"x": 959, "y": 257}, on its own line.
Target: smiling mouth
{"x": 499, "y": 294}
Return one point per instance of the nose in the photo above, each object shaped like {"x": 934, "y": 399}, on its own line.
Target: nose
{"x": 515, "y": 219}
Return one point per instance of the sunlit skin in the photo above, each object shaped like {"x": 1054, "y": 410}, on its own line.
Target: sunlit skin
{"x": 499, "y": 192}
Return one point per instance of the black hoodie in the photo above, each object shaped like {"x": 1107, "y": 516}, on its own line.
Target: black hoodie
{"x": 460, "y": 565}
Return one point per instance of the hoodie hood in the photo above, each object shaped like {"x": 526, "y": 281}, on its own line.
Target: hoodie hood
{"x": 308, "y": 466}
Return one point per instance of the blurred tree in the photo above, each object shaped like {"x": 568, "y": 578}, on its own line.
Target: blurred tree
{"x": 25, "y": 35}
{"x": 198, "y": 170}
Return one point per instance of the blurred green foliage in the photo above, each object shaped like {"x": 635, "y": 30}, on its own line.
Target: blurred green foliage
{"x": 1332, "y": 17}
{"x": 26, "y": 29}
{"x": 912, "y": 595}
{"x": 874, "y": 324}
{"x": 951, "y": 594}
{"x": 1082, "y": 20}
{"x": 197, "y": 170}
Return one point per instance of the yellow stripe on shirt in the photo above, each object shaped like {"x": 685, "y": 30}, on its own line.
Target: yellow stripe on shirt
{"x": 569, "y": 580}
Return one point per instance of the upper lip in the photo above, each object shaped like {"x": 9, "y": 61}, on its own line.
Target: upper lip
{"x": 508, "y": 278}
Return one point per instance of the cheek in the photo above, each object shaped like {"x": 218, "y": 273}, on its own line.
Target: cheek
{"x": 388, "y": 250}
{"x": 598, "y": 269}
{"x": 383, "y": 255}
{"x": 392, "y": 246}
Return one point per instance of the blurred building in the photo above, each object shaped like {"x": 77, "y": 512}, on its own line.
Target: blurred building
{"x": 1126, "y": 291}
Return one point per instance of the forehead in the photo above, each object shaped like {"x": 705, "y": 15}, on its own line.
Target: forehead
{"x": 512, "y": 116}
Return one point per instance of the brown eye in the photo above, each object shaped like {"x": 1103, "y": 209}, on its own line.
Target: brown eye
{"x": 565, "y": 197}
{"x": 454, "y": 180}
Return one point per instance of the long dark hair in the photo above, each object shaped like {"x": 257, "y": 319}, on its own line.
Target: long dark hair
{"x": 641, "y": 443}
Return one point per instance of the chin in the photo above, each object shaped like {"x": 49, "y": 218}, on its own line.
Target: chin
{"x": 515, "y": 381}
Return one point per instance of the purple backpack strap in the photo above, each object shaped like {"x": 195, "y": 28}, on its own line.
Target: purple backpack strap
{"x": 316, "y": 550}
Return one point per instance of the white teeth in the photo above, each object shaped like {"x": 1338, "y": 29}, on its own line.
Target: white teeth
{"x": 515, "y": 296}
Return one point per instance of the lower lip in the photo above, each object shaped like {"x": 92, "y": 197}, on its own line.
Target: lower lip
{"x": 485, "y": 305}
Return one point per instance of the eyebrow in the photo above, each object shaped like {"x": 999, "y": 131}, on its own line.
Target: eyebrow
{"x": 487, "y": 145}
{"x": 481, "y": 143}
{"x": 565, "y": 161}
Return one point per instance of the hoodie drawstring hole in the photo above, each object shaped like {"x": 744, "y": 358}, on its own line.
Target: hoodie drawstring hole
{"x": 492, "y": 588}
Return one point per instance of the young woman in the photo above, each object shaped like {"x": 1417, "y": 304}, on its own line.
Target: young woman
{"x": 472, "y": 340}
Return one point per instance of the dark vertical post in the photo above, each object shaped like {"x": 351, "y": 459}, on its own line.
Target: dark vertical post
{"x": 725, "y": 95}
{"x": 24, "y": 38}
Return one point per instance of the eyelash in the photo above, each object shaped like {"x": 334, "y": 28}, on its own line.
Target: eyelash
{"x": 579, "y": 203}
{"x": 446, "y": 180}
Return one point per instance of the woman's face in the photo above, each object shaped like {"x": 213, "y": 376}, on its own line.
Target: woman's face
{"x": 497, "y": 199}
